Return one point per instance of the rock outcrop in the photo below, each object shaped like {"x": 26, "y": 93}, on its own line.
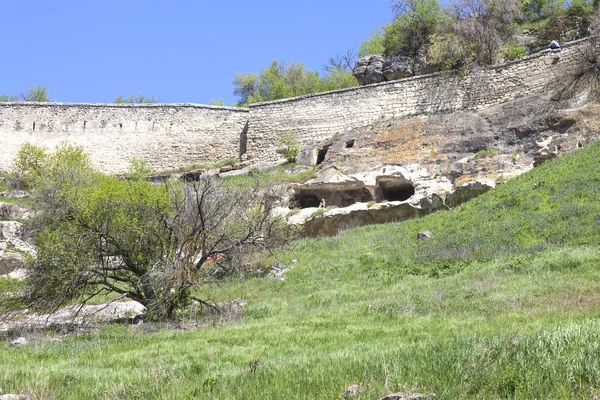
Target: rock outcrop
{"x": 379, "y": 68}
{"x": 469, "y": 191}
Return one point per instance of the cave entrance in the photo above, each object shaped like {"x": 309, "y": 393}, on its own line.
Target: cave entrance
{"x": 334, "y": 196}
{"x": 393, "y": 189}
{"x": 322, "y": 153}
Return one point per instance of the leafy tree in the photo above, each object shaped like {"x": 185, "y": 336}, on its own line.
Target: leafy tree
{"x": 373, "y": 45}
{"x": 139, "y": 99}
{"x": 218, "y": 102}
{"x": 37, "y": 93}
{"x": 415, "y": 22}
{"x": 289, "y": 142}
{"x": 280, "y": 80}
{"x": 100, "y": 235}
{"x": 4, "y": 98}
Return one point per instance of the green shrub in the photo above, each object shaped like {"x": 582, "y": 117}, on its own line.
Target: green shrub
{"x": 512, "y": 52}
{"x": 289, "y": 140}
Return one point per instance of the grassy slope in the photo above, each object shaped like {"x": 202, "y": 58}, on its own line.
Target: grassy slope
{"x": 503, "y": 302}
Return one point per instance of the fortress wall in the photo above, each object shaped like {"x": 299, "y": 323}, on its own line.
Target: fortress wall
{"x": 165, "y": 135}
{"x": 319, "y": 117}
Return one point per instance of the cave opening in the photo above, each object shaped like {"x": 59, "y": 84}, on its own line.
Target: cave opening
{"x": 322, "y": 153}
{"x": 397, "y": 189}
{"x": 350, "y": 144}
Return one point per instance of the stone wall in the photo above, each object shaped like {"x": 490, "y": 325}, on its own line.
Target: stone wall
{"x": 171, "y": 135}
{"x": 165, "y": 135}
{"x": 320, "y": 116}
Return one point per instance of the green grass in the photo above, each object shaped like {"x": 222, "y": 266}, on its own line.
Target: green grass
{"x": 273, "y": 175}
{"x": 503, "y": 302}
{"x": 486, "y": 153}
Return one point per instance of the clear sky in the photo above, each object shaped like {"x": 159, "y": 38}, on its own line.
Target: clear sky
{"x": 177, "y": 50}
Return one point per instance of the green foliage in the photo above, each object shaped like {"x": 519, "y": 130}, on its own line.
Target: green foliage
{"x": 373, "y": 45}
{"x": 289, "y": 141}
{"x": 218, "y": 102}
{"x": 28, "y": 163}
{"x": 415, "y": 22}
{"x": 139, "y": 99}
{"x": 280, "y": 81}
{"x": 447, "y": 52}
{"x": 512, "y": 52}
{"x": 139, "y": 169}
{"x": 36, "y": 94}
{"x": 4, "y": 98}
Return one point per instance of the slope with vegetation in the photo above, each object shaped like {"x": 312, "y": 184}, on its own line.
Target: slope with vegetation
{"x": 501, "y": 302}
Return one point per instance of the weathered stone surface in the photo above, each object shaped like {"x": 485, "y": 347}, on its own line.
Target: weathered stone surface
{"x": 16, "y": 234}
{"x": 11, "y": 211}
{"x": 258, "y": 166}
{"x": 307, "y": 155}
{"x": 11, "y": 261}
{"x": 102, "y": 313}
{"x": 469, "y": 191}
{"x": 166, "y": 136}
{"x": 397, "y": 67}
{"x": 319, "y": 117}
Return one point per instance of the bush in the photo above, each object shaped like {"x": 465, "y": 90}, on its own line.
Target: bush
{"x": 512, "y": 52}
{"x": 289, "y": 141}
{"x": 28, "y": 164}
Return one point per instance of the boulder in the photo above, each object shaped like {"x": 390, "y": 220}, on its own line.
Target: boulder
{"x": 11, "y": 212}
{"x": 308, "y": 155}
{"x": 11, "y": 261}
{"x": 469, "y": 191}
{"x": 397, "y": 67}
{"x": 369, "y": 70}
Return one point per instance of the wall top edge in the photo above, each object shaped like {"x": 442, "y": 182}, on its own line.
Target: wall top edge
{"x": 120, "y": 105}
{"x": 421, "y": 77}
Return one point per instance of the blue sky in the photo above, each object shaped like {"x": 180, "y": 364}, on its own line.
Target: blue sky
{"x": 178, "y": 50}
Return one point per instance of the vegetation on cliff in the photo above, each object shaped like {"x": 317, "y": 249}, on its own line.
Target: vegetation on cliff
{"x": 501, "y": 302}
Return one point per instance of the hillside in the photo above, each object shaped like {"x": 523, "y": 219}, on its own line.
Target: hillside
{"x": 501, "y": 302}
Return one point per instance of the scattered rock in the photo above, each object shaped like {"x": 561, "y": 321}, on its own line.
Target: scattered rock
{"x": 352, "y": 391}
{"x": 469, "y": 191}
{"x": 18, "y": 274}
{"x": 79, "y": 316}
{"x": 11, "y": 261}
{"x": 19, "y": 342}
{"x": 17, "y": 397}
{"x": 424, "y": 235}
{"x": 543, "y": 155}
{"x": 408, "y": 396}
{"x": 277, "y": 271}
{"x": 226, "y": 168}
{"x": 16, "y": 194}
{"x": 11, "y": 212}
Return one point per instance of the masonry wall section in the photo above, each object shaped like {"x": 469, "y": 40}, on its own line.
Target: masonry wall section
{"x": 166, "y": 136}
{"x": 319, "y": 117}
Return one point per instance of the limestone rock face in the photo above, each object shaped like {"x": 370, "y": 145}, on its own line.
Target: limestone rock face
{"x": 16, "y": 234}
{"x": 307, "y": 155}
{"x": 469, "y": 191}
{"x": 397, "y": 68}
